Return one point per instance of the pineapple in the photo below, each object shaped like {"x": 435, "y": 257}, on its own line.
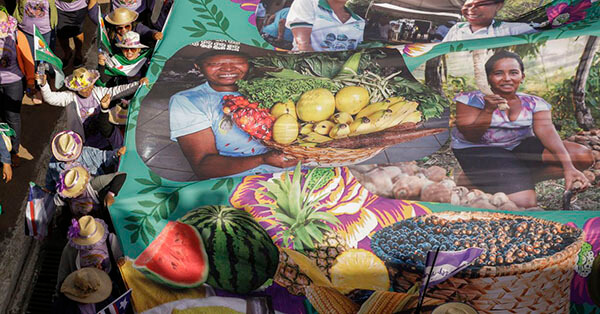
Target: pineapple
{"x": 303, "y": 225}
{"x": 327, "y": 251}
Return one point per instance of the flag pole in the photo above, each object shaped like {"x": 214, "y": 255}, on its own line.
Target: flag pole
{"x": 422, "y": 296}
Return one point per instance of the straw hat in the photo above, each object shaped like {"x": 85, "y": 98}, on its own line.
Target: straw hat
{"x": 91, "y": 230}
{"x": 8, "y": 24}
{"x": 131, "y": 40}
{"x": 121, "y": 16}
{"x": 81, "y": 78}
{"x": 73, "y": 181}
{"x": 67, "y": 146}
{"x": 87, "y": 285}
{"x": 117, "y": 115}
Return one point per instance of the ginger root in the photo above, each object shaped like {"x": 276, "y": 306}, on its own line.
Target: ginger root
{"x": 435, "y": 173}
{"x": 436, "y": 192}
{"x": 408, "y": 187}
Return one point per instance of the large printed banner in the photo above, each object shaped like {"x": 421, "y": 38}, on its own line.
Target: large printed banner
{"x": 403, "y": 115}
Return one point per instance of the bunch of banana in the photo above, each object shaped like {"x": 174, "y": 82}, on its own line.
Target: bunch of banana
{"x": 372, "y": 118}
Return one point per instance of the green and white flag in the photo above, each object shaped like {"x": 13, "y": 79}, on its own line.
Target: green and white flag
{"x": 43, "y": 53}
{"x": 102, "y": 35}
{"x": 118, "y": 65}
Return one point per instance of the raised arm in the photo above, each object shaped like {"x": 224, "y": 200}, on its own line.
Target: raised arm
{"x": 473, "y": 122}
{"x": 59, "y": 99}
{"x": 201, "y": 152}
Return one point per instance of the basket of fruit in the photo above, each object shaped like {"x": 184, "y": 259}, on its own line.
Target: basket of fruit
{"x": 527, "y": 264}
{"x": 328, "y": 129}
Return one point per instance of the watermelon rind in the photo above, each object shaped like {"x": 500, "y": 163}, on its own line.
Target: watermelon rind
{"x": 241, "y": 254}
{"x": 154, "y": 249}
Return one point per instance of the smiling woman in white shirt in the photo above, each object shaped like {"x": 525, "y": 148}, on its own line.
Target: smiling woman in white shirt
{"x": 480, "y": 22}
{"x": 324, "y": 25}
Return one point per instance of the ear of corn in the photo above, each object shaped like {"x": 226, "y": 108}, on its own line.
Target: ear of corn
{"x": 329, "y": 300}
{"x": 383, "y": 302}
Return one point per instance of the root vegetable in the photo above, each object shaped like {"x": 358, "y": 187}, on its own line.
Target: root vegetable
{"x": 393, "y": 172}
{"x": 455, "y": 199}
{"x": 435, "y": 173}
{"x": 589, "y": 175}
{"x": 449, "y": 183}
{"x": 379, "y": 182}
{"x": 508, "y": 206}
{"x": 408, "y": 187}
{"x": 436, "y": 192}
{"x": 481, "y": 202}
{"x": 499, "y": 199}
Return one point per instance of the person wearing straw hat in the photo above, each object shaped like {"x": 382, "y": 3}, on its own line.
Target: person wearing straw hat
{"x": 15, "y": 60}
{"x": 83, "y": 193}
{"x": 67, "y": 147}
{"x": 123, "y": 20}
{"x": 90, "y": 245}
{"x": 86, "y": 290}
{"x": 128, "y": 65}
{"x": 83, "y": 105}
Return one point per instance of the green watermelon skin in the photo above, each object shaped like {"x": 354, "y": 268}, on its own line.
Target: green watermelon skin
{"x": 241, "y": 255}
{"x": 176, "y": 257}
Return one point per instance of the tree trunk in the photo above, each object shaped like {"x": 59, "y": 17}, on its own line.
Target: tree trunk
{"x": 582, "y": 112}
{"x": 433, "y": 77}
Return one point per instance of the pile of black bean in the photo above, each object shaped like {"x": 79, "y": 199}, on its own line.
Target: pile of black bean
{"x": 505, "y": 241}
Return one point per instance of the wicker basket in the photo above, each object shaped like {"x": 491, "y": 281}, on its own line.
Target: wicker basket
{"x": 542, "y": 285}
{"x": 326, "y": 157}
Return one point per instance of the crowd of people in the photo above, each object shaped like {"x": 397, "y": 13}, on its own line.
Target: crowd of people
{"x": 82, "y": 174}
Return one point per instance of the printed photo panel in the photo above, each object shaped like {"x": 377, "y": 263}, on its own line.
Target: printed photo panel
{"x": 518, "y": 131}
{"x": 224, "y": 109}
{"x": 319, "y": 25}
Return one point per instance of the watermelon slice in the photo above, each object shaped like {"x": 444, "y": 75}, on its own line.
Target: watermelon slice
{"x": 176, "y": 258}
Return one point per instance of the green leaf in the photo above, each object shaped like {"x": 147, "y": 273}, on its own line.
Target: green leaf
{"x": 134, "y": 237}
{"x": 154, "y": 69}
{"x": 156, "y": 216}
{"x": 148, "y": 190}
{"x": 219, "y": 16}
{"x": 314, "y": 232}
{"x": 214, "y": 9}
{"x": 213, "y": 24}
{"x": 255, "y": 42}
{"x": 203, "y": 16}
{"x": 133, "y": 218}
{"x": 219, "y": 184}
{"x": 151, "y": 229}
{"x": 144, "y": 237}
{"x": 304, "y": 237}
{"x": 155, "y": 178}
{"x": 197, "y": 34}
{"x": 191, "y": 29}
{"x": 229, "y": 185}
{"x": 207, "y": 2}
{"x": 325, "y": 216}
{"x": 173, "y": 201}
{"x": 144, "y": 181}
{"x": 132, "y": 227}
{"x": 225, "y": 24}
{"x": 283, "y": 218}
{"x": 163, "y": 210}
{"x": 146, "y": 203}
{"x": 201, "y": 10}
{"x": 196, "y": 2}
{"x": 161, "y": 195}
{"x": 159, "y": 57}
{"x": 139, "y": 212}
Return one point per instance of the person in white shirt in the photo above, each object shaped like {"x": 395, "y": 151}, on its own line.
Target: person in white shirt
{"x": 480, "y": 23}
{"x": 324, "y": 25}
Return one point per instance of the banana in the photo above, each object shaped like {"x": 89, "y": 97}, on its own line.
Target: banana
{"x": 308, "y": 144}
{"x": 306, "y": 128}
{"x": 340, "y": 130}
{"x": 404, "y": 106}
{"x": 371, "y": 109}
{"x": 342, "y": 117}
{"x": 314, "y": 137}
{"x": 414, "y": 116}
{"x": 396, "y": 99}
{"x": 361, "y": 126}
{"x": 403, "y": 113}
{"x": 323, "y": 127}
{"x": 382, "y": 118}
